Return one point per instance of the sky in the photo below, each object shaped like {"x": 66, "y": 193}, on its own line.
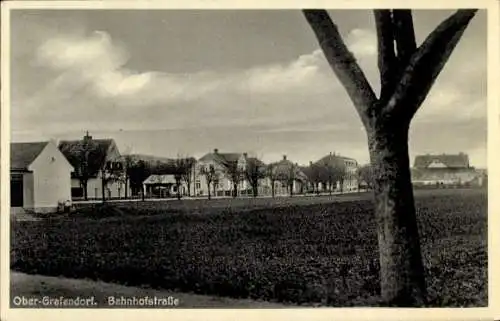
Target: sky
{"x": 183, "y": 82}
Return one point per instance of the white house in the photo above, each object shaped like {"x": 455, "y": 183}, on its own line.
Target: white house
{"x": 221, "y": 184}
{"x": 92, "y": 158}
{"x": 40, "y": 177}
{"x": 164, "y": 186}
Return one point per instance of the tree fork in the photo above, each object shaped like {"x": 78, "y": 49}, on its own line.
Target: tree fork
{"x": 406, "y": 79}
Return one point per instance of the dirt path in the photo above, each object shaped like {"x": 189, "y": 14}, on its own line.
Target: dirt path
{"x": 54, "y": 287}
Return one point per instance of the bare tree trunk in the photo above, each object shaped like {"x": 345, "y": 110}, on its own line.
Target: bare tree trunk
{"x": 103, "y": 181}
{"x": 84, "y": 184}
{"x": 235, "y": 189}
{"x": 272, "y": 189}
{"x": 209, "y": 196}
{"x": 126, "y": 186}
{"x": 255, "y": 190}
{"x": 178, "y": 191}
{"x": 402, "y": 272}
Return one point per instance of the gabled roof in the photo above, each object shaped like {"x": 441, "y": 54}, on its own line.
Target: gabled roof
{"x": 148, "y": 158}
{"x": 451, "y": 161}
{"x": 333, "y": 160}
{"x": 283, "y": 168}
{"x": 97, "y": 148}
{"x": 222, "y": 158}
{"x": 159, "y": 179}
{"x": 23, "y": 154}
{"x": 256, "y": 161}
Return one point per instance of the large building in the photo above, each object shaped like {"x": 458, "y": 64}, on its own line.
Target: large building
{"x": 40, "y": 177}
{"x": 344, "y": 169}
{"x": 445, "y": 169}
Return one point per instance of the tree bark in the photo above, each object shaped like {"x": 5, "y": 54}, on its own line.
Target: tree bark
{"x": 235, "y": 189}
{"x": 84, "y": 184}
{"x": 255, "y": 189}
{"x": 126, "y": 186}
{"x": 402, "y": 272}
{"x": 103, "y": 183}
{"x": 209, "y": 196}
{"x": 405, "y": 85}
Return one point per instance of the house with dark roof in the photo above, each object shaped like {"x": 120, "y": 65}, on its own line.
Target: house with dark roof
{"x": 287, "y": 177}
{"x": 91, "y": 159}
{"x": 40, "y": 177}
{"x": 443, "y": 169}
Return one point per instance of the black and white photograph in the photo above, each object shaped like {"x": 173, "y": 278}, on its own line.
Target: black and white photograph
{"x": 187, "y": 158}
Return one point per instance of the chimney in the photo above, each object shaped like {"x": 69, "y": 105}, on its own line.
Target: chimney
{"x": 216, "y": 151}
{"x": 284, "y": 157}
{"x": 87, "y": 137}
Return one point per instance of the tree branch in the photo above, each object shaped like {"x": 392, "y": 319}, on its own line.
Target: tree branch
{"x": 426, "y": 64}
{"x": 387, "y": 63}
{"x": 404, "y": 35}
{"x": 342, "y": 62}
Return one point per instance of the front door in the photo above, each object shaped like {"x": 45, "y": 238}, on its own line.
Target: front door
{"x": 16, "y": 191}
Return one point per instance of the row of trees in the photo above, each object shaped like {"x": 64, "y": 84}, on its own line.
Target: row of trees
{"x": 135, "y": 171}
{"x": 253, "y": 172}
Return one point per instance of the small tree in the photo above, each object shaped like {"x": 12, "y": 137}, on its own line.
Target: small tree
{"x": 137, "y": 172}
{"x": 235, "y": 175}
{"x": 364, "y": 175}
{"x": 182, "y": 169}
{"x": 314, "y": 176}
{"x": 334, "y": 172}
{"x": 113, "y": 171}
{"x": 127, "y": 162}
{"x": 254, "y": 172}
{"x": 187, "y": 174}
{"x": 272, "y": 174}
{"x": 290, "y": 177}
{"x": 210, "y": 176}
{"x": 83, "y": 158}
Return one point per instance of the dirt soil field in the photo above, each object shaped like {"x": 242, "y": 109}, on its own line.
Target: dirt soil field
{"x": 301, "y": 251}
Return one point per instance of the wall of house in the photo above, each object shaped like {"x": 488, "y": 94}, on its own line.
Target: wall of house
{"x": 94, "y": 188}
{"x": 112, "y": 189}
{"x": 28, "y": 191}
{"x": 223, "y": 187}
{"x": 51, "y": 179}
{"x": 444, "y": 176}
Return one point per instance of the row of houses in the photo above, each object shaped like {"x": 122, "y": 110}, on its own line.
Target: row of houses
{"x": 44, "y": 174}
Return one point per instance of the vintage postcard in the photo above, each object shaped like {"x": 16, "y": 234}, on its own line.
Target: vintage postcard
{"x": 186, "y": 160}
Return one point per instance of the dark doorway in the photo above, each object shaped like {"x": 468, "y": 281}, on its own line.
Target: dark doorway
{"x": 16, "y": 191}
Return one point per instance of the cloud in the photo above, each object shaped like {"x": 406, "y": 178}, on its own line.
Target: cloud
{"x": 362, "y": 42}
{"x": 90, "y": 86}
